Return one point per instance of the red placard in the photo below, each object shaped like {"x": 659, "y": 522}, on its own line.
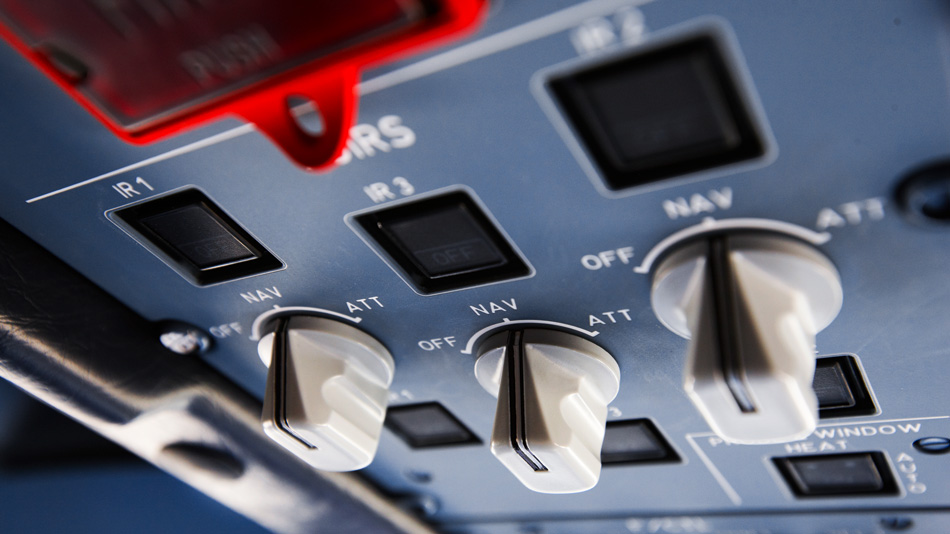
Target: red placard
{"x": 152, "y": 68}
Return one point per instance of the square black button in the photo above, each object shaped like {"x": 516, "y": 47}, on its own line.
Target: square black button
{"x": 841, "y": 388}
{"x": 443, "y": 243}
{"x": 838, "y": 475}
{"x": 635, "y": 441}
{"x": 428, "y": 425}
{"x": 195, "y": 237}
{"x": 659, "y": 113}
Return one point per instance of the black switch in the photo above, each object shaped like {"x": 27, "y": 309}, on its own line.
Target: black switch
{"x": 194, "y": 236}
{"x": 659, "y": 113}
{"x": 428, "y": 425}
{"x": 200, "y": 237}
{"x": 831, "y": 387}
{"x": 635, "y": 441}
{"x": 443, "y": 242}
{"x": 841, "y": 388}
{"x": 838, "y": 475}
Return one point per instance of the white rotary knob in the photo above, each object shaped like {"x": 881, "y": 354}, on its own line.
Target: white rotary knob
{"x": 327, "y": 389}
{"x": 751, "y": 305}
{"x": 553, "y": 389}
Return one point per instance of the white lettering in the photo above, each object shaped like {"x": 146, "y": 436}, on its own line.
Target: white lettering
{"x": 400, "y": 136}
{"x": 851, "y": 213}
{"x": 141, "y": 181}
{"x": 366, "y": 140}
{"x": 269, "y": 293}
{"x": 722, "y": 198}
{"x": 698, "y": 204}
{"x": 125, "y": 189}
{"x": 364, "y": 304}
{"x": 591, "y": 262}
{"x": 436, "y": 343}
{"x": 865, "y": 431}
{"x": 827, "y": 218}
{"x": 225, "y": 330}
{"x": 480, "y": 309}
{"x": 378, "y": 192}
{"x": 405, "y": 188}
{"x": 593, "y": 35}
{"x": 677, "y": 208}
{"x": 594, "y": 320}
{"x": 606, "y": 258}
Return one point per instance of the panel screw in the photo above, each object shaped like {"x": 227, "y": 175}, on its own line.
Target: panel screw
{"x": 183, "y": 338}
{"x": 420, "y": 504}
{"x": 933, "y": 445}
{"x": 897, "y": 523}
{"x": 419, "y": 476}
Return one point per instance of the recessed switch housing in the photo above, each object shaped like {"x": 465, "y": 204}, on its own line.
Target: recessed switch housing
{"x": 673, "y": 106}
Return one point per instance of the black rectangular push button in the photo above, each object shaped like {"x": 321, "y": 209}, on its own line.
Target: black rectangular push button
{"x": 657, "y": 112}
{"x": 841, "y": 388}
{"x": 838, "y": 475}
{"x": 195, "y": 237}
{"x": 831, "y": 387}
{"x": 199, "y": 236}
{"x": 441, "y": 243}
{"x": 445, "y": 241}
{"x": 428, "y": 425}
{"x": 635, "y": 441}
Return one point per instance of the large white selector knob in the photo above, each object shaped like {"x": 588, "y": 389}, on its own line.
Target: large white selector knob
{"x": 553, "y": 389}
{"x": 751, "y": 305}
{"x": 327, "y": 389}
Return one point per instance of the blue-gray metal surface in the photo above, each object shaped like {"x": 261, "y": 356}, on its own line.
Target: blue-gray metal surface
{"x": 855, "y": 93}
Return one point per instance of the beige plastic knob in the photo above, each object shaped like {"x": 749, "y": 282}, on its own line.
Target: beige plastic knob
{"x": 553, "y": 389}
{"x": 751, "y": 305}
{"x": 327, "y": 389}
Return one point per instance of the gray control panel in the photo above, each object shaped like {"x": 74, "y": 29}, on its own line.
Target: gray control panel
{"x": 534, "y": 178}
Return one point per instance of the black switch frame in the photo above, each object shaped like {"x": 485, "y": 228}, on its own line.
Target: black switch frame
{"x": 708, "y": 47}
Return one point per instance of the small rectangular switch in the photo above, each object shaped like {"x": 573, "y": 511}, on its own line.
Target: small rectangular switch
{"x": 635, "y": 441}
{"x": 838, "y": 475}
{"x": 199, "y": 236}
{"x": 194, "y": 236}
{"x": 841, "y": 388}
{"x": 428, "y": 424}
{"x": 441, "y": 242}
{"x": 444, "y": 241}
